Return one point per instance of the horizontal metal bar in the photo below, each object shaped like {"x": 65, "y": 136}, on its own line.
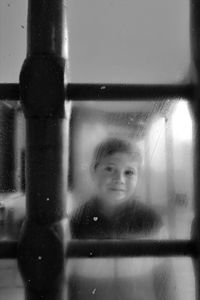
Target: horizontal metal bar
{"x": 114, "y": 248}
{"x": 10, "y": 91}
{"x": 121, "y": 248}
{"x": 128, "y": 92}
{"x": 8, "y": 249}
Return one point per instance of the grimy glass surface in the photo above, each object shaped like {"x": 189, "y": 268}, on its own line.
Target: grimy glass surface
{"x": 109, "y": 41}
{"x": 12, "y": 171}
{"x": 163, "y": 192}
{"x": 111, "y": 279}
{"x": 163, "y": 132}
{"x": 118, "y": 196}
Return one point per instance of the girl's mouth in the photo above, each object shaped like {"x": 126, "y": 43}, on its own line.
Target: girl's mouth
{"x": 117, "y": 189}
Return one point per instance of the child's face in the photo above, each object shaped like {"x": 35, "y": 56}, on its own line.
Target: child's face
{"x": 116, "y": 178}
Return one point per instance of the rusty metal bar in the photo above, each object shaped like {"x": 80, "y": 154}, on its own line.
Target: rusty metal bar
{"x": 47, "y": 30}
{"x": 75, "y": 92}
{"x": 42, "y": 93}
{"x": 128, "y": 92}
{"x": 114, "y": 248}
{"x": 103, "y": 248}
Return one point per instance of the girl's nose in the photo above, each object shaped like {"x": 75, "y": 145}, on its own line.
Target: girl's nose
{"x": 119, "y": 176}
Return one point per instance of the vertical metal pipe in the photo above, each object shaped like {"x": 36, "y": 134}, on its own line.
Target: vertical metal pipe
{"x": 195, "y": 107}
{"x": 47, "y": 30}
{"x": 42, "y": 85}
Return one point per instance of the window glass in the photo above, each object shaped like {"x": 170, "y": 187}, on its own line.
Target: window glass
{"x": 131, "y": 42}
{"x": 106, "y": 278}
{"x": 152, "y": 196}
{"x": 13, "y": 23}
{"x": 131, "y": 172}
{"x": 11, "y": 285}
{"x": 109, "y": 41}
{"x": 12, "y": 171}
{"x": 141, "y": 278}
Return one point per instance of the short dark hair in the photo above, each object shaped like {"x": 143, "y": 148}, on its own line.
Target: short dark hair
{"x": 114, "y": 145}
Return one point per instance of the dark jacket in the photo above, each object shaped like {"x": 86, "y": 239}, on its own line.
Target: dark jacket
{"x": 132, "y": 217}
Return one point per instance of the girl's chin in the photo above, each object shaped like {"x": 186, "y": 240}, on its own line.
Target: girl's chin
{"x": 116, "y": 197}
{"x": 113, "y": 201}
{"x": 110, "y": 209}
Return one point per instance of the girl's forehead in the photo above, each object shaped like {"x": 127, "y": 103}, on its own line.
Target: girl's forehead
{"x": 120, "y": 158}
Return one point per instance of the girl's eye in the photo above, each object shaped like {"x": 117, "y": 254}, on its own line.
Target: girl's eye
{"x": 109, "y": 169}
{"x": 129, "y": 173}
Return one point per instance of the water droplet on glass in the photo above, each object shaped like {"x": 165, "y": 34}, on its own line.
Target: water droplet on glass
{"x": 94, "y": 291}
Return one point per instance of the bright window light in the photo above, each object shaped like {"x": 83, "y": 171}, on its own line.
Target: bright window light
{"x": 182, "y": 122}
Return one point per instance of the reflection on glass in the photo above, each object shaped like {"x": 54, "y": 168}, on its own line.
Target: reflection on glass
{"x": 129, "y": 278}
{"x": 152, "y": 193}
{"x": 127, "y": 175}
{"x": 11, "y": 285}
{"x": 12, "y": 179}
{"x": 112, "y": 279}
{"x": 127, "y": 180}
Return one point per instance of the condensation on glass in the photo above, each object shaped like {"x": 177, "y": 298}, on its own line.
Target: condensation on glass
{"x": 136, "y": 42}
{"x": 163, "y": 132}
{"x": 111, "y": 279}
{"x": 12, "y": 171}
{"x": 130, "y": 278}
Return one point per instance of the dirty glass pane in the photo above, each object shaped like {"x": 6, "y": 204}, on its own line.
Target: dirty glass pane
{"x": 13, "y": 35}
{"x": 130, "y": 278}
{"x": 133, "y": 42}
{"x": 12, "y": 171}
{"x": 11, "y": 284}
{"x": 141, "y": 188}
{"x": 148, "y": 278}
{"x": 109, "y": 41}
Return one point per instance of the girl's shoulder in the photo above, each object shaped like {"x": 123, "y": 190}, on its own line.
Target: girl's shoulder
{"x": 141, "y": 218}
{"x": 132, "y": 218}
